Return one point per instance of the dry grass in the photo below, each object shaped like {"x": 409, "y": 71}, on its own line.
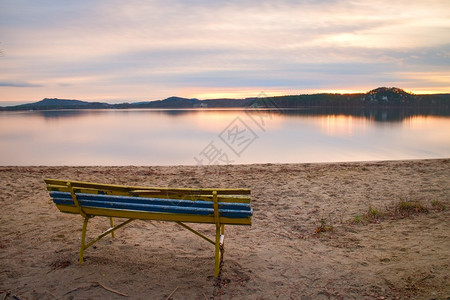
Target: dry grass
{"x": 402, "y": 209}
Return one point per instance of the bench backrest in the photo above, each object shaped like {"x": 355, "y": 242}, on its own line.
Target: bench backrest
{"x": 154, "y": 203}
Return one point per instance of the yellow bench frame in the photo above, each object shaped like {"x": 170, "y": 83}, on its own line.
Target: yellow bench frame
{"x": 215, "y": 195}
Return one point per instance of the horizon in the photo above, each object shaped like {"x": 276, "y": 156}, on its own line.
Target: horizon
{"x": 223, "y": 98}
{"x": 208, "y": 50}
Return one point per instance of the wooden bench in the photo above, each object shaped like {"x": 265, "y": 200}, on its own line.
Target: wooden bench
{"x": 181, "y": 205}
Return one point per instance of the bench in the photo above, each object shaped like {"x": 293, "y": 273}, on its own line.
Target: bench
{"x": 181, "y": 205}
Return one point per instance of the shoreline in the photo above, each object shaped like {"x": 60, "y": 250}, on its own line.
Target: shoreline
{"x": 280, "y": 255}
{"x": 229, "y": 165}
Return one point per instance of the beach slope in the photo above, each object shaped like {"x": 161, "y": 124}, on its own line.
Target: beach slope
{"x": 320, "y": 231}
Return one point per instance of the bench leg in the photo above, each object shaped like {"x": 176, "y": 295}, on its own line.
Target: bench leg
{"x": 83, "y": 239}
{"x": 111, "y": 222}
{"x": 85, "y": 245}
{"x": 217, "y": 261}
{"x": 220, "y": 230}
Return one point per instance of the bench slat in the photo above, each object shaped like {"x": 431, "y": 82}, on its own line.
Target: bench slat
{"x": 153, "y": 216}
{"x": 143, "y": 190}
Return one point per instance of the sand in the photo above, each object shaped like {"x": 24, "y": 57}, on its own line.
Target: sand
{"x": 280, "y": 256}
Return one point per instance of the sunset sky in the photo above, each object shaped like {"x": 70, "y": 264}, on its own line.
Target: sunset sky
{"x": 116, "y": 51}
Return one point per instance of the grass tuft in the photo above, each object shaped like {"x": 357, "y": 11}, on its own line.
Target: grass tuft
{"x": 324, "y": 226}
{"x": 407, "y": 208}
{"x": 374, "y": 214}
{"x": 402, "y": 209}
{"x": 358, "y": 219}
{"x": 436, "y": 204}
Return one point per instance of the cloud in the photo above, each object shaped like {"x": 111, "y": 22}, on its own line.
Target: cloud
{"x": 18, "y": 84}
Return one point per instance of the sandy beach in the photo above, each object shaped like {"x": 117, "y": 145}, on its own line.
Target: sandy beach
{"x": 313, "y": 236}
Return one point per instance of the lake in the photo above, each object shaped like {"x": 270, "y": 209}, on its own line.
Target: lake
{"x": 220, "y": 136}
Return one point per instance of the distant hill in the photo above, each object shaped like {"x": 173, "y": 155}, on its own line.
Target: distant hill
{"x": 54, "y": 103}
{"x": 379, "y": 97}
{"x": 171, "y": 102}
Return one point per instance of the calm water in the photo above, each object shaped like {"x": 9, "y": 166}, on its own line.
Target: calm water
{"x": 191, "y": 137}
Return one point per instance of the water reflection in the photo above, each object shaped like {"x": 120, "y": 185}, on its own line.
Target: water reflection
{"x": 340, "y": 124}
{"x": 370, "y": 113}
{"x": 377, "y": 114}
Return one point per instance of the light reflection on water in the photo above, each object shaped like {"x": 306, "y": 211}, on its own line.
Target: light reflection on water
{"x": 172, "y": 137}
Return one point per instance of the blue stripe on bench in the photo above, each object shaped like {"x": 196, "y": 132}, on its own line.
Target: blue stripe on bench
{"x": 226, "y": 209}
{"x": 158, "y": 201}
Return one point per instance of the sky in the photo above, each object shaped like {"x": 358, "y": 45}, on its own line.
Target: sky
{"x": 126, "y": 51}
